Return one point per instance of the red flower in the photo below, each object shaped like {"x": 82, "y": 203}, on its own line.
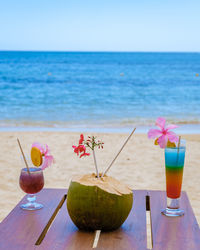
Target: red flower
{"x": 80, "y": 148}
{"x": 81, "y": 139}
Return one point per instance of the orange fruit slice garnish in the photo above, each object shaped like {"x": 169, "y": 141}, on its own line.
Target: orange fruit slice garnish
{"x": 171, "y": 144}
{"x": 36, "y": 157}
{"x": 156, "y": 142}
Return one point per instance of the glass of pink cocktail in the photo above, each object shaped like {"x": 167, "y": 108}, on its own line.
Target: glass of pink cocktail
{"x": 31, "y": 183}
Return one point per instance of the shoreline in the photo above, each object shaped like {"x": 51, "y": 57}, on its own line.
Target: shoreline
{"x": 182, "y": 129}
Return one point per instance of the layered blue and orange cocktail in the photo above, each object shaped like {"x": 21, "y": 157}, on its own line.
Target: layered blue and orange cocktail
{"x": 174, "y": 164}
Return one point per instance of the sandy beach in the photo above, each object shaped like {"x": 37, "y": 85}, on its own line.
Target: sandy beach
{"x": 141, "y": 163}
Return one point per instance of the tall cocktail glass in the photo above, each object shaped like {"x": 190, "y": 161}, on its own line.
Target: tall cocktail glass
{"x": 174, "y": 164}
{"x": 31, "y": 184}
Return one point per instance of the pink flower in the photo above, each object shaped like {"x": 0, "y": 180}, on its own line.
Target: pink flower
{"x": 48, "y": 158}
{"x": 163, "y": 134}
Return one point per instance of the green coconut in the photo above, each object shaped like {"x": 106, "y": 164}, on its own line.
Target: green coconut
{"x": 98, "y": 203}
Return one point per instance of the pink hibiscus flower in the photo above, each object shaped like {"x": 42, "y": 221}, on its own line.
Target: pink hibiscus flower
{"x": 163, "y": 134}
{"x": 48, "y": 159}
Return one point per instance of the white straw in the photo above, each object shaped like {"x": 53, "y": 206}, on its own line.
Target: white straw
{"x": 179, "y": 141}
{"x": 95, "y": 163}
{"x": 23, "y": 155}
{"x": 118, "y": 152}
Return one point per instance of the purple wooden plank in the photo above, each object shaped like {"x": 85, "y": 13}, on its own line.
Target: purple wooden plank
{"x": 63, "y": 234}
{"x": 20, "y": 229}
{"x": 179, "y": 233}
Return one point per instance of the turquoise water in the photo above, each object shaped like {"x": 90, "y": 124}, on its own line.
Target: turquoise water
{"x": 92, "y": 90}
{"x": 174, "y": 158}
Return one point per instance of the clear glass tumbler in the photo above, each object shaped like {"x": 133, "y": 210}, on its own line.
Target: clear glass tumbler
{"x": 31, "y": 184}
{"x": 174, "y": 164}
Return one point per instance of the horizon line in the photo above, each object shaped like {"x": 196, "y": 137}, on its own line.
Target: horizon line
{"x": 98, "y": 51}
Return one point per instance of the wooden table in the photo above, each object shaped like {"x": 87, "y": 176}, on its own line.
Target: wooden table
{"x": 51, "y": 227}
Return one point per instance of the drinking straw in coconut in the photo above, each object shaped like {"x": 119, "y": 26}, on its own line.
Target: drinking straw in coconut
{"x": 23, "y": 156}
{"x": 118, "y": 152}
{"x": 95, "y": 163}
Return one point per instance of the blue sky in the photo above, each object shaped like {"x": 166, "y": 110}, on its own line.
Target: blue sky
{"x": 100, "y": 25}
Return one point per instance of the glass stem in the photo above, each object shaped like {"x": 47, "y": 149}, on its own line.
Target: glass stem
{"x": 173, "y": 203}
{"x": 31, "y": 198}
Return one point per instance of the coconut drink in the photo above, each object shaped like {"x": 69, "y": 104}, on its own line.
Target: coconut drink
{"x": 97, "y": 201}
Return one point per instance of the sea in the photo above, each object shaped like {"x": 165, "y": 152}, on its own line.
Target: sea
{"x": 99, "y": 91}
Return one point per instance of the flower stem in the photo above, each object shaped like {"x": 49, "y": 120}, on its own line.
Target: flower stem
{"x": 95, "y": 163}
